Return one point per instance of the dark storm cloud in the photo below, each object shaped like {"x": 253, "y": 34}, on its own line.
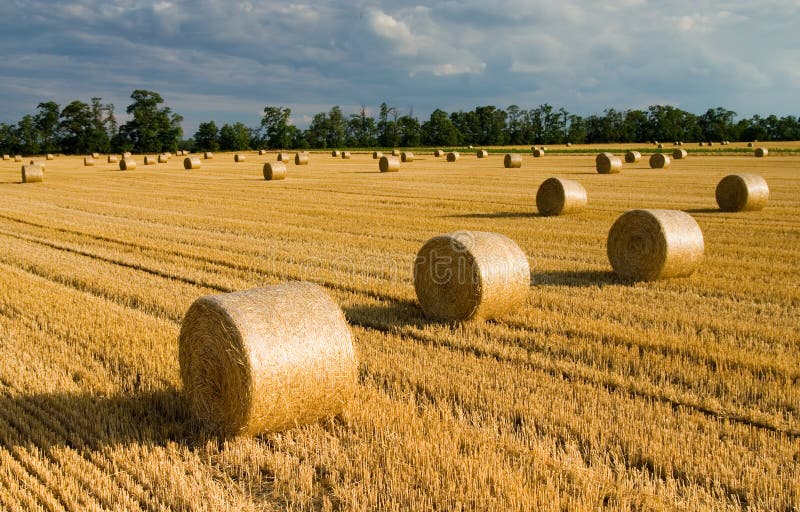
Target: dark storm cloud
{"x": 225, "y": 60}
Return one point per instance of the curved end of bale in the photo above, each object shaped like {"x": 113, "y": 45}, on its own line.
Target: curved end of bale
{"x": 742, "y": 192}
{"x": 437, "y": 153}
{"x": 646, "y": 245}
{"x": 267, "y": 359}
{"x": 406, "y": 156}
{"x": 274, "y": 171}
{"x": 376, "y": 155}
{"x": 680, "y": 154}
{"x": 239, "y": 157}
{"x": 336, "y": 153}
{"x": 470, "y": 275}
{"x": 482, "y": 153}
{"x": 761, "y": 152}
{"x": 32, "y": 173}
{"x": 345, "y": 155}
{"x": 538, "y": 152}
{"x": 208, "y": 155}
{"x": 389, "y": 163}
{"x": 557, "y": 196}
{"x": 606, "y": 163}
{"x": 512, "y": 161}
{"x": 192, "y": 162}
{"x": 452, "y": 156}
{"x": 632, "y": 157}
{"x": 659, "y": 161}
{"x": 127, "y": 164}
{"x": 301, "y": 158}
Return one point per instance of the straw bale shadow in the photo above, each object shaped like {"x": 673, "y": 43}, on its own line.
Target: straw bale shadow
{"x": 578, "y": 278}
{"x": 704, "y": 210}
{"x": 496, "y": 215}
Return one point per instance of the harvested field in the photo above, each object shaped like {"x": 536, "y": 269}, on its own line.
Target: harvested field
{"x": 597, "y": 393}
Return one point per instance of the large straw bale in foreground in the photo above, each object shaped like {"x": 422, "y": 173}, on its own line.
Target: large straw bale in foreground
{"x": 274, "y": 171}
{"x": 646, "y": 245}
{"x": 557, "y": 196}
{"x": 742, "y": 192}
{"x": 469, "y": 275}
{"x": 606, "y": 163}
{"x": 32, "y": 173}
{"x": 266, "y": 359}
{"x": 389, "y": 163}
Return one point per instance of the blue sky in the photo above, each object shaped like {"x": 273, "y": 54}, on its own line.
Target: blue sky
{"x": 226, "y": 60}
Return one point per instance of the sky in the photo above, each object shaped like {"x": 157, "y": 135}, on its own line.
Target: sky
{"x": 225, "y": 60}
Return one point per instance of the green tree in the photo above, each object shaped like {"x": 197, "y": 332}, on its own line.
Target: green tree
{"x": 46, "y": 122}
{"x": 152, "y": 129}
{"x": 361, "y": 129}
{"x": 337, "y": 128}
{"x": 76, "y": 127}
{"x": 439, "y": 130}
{"x": 409, "y": 131}
{"x": 206, "y": 138}
{"x": 317, "y": 134}
{"x": 234, "y": 137}
{"x": 278, "y": 133}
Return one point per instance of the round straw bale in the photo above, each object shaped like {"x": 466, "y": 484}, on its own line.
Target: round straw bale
{"x": 301, "y": 158}
{"x": 127, "y": 164}
{"x": 266, "y": 359}
{"x": 679, "y": 154}
{"x": 761, "y": 152}
{"x": 112, "y": 159}
{"x": 283, "y": 157}
{"x": 32, "y": 173}
{"x": 238, "y": 157}
{"x": 659, "y": 161}
{"x": 274, "y": 171}
{"x": 512, "y": 161}
{"x": 389, "y": 163}
{"x": 208, "y": 155}
{"x": 6, "y": 157}
{"x": 452, "y": 156}
{"x": 262, "y": 152}
{"x": 150, "y": 160}
{"x": 95, "y": 155}
{"x": 376, "y": 155}
{"x": 88, "y": 161}
{"x": 406, "y": 156}
{"x": 482, "y": 153}
{"x": 336, "y": 153}
{"x": 162, "y": 159}
{"x": 606, "y": 163}
{"x": 742, "y": 192}
{"x": 395, "y": 152}
{"x": 700, "y": 144}
{"x": 49, "y": 156}
{"x": 646, "y": 245}
{"x": 192, "y": 162}
{"x": 569, "y": 144}
{"x": 470, "y": 275}
{"x": 709, "y": 143}
{"x": 538, "y": 153}
{"x": 438, "y": 152}
{"x": 126, "y": 154}
{"x": 557, "y": 196}
{"x": 632, "y": 156}
{"x": 17, "y": 158}
{"x": 660, "y": 146}
{"x": 749, "y": 144}
{"x": 345, "y": 155}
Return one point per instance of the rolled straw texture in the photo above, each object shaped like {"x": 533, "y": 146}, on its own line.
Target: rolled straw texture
{"x": 742, "y": 192}
{"x": 208, "y": 155}
{"x": 632, "y": 157}
{"x": 469, "y": 275}
{"x": 376, "y": 155}
{"x": 127, "y": 164}
{"x": 389, "y": 163}
{"x": 192, "y": 162}
{"x": 512, "y": 161}
{"x": 452, "y": 156}
{"x": 438, "y": 152}
{"x": 482, "y": 153}
{"x": 238, "y": 157}
{"x": 606, "y": 163}
{"x": 274, "y": 171}
{"x": 32, "y": 173}
{"x": 150, "y": 160}
{"x": 112, "y": 159}
{"x": 557, "y": 196}
{"x": 266, "y": 359}
{"x": 679, "y": 154}
{"x": 345, "y": 155}
{"x": 646, "y": 245}
{"x": 336, "y": 153}
{"x": 406, "y": 156}
{"x": 659, "y": 161}
{"x": 301, "y": 159}
{"x": 761, "y": 152}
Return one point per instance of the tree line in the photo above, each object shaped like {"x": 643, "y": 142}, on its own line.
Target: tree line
{"x": 81, "y": 128}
